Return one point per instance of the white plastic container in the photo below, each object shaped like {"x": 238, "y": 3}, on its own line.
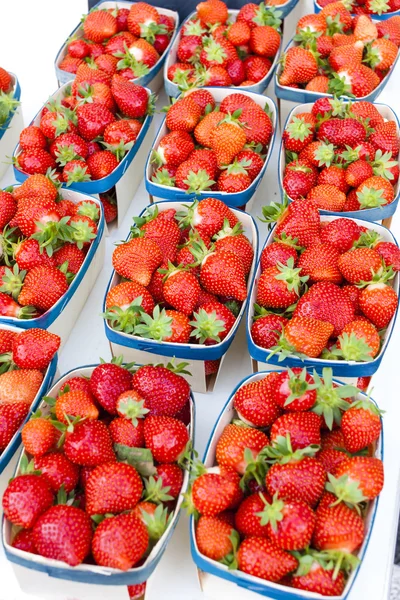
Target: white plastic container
{"x": 61, "y": 317}
{"x": 141, "y": 350}
{"x": 51, "y": 579}
{"x": 126, "y": 177}
{"x": 216, "y": 580}
{"x": 153, "y": 79}
{"x": 9, "y": 132}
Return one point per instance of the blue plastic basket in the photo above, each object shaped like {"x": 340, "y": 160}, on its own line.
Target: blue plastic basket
{"x": 300, "y": 96}
{"x": 45, "y": 320}
{"x": 186, "y": 351}
{"x": 232, "y": 200}
{"x": 341, "y": 368}
{"x": 97, "y": 186}
{"x": 65, "y": 77}
{"x": 172, "y": 88}
{"x": 248, "y": 582}
{"x": 369, "y": 214}
{"x": 17, "y": 96}
{"x": 50, "y": 372}
{"x": 92, "y": 574}
{"x": 383, "y": 17}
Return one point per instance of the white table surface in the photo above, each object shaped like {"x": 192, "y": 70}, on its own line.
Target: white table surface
{"x": 31, "y": 33}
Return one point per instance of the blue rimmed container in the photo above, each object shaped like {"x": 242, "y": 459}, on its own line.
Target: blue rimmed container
{"x": 286, "y": 8}
{"x": 341, "y": 368}
{"x": 153, "y": 79}
{"x": 300, "y": 96}
{"x": 126, "y": 177}
{"x": 7, "y": 454}
{"x": 157, "y": 191}
{"x": 10, "y": 130}
{"x": 172, "y": 89}
{"x": 369, "y": 214}
{"x": 142, "y": 350}
{"x": 382, "y": 17}
{"x": 61, "y": 317}
{"x": 216, "y": 580}
{"x": 86, "y": 581}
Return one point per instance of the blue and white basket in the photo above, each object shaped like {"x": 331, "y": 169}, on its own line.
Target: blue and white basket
{"x": 126, "y": 177}
{"x": 49, "y": 374}
{"x": 369, "y": 214}
{"x": 142, "y": 350}
{"x": 85, "y": 580}
{"x": 172, "y": 88}
{"x": 154, "y": 77}
{"x": 216, "y": 580}
{"x": 341, "y": 368}
{"x": 158, "y": 191}
{"x": 382, "y": 17}
{"x": 61, "y": 317}
{"x": 10, "y": 130}
{"x": 300, "y": 96}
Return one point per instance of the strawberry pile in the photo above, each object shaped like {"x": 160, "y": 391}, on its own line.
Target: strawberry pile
{"x": 24, "y": 359}
{"x": 85, "y": 134}
{"x": 210, "y": 147}
{"x": 109, "y": 445}
{"x": 215, "y": 51}
{"x": 120, "y": 40}
{"x": 339, "y": 54}
{"x": 342, "y": 156}
{"x": 366, "y": 7}
{"x": 324, "y": 289}
{"x": 184, "y": 276}
{"x": 44, "y": 242}
{"x": 7, "y": 102}
{"x": 290, "y": 491}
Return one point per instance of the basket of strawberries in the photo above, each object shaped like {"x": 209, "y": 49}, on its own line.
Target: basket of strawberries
{"x": 106, "y": 454}
{"x": 355, "y": 57}
{"x": 325, "y": 292}
{"x": 53, "y": 249}
{"x": 284, "y": 504}
{"x": 213, "y": 142}
{"x": 28, "y": 365}
{"x": 221, "y": 47}
{"x": 343, "y": 156}
{"x": 180, "y": 285}
{"x": 11, "y": 121}
{"x": 379, "y": 9}
{"x": 130, "y": 38}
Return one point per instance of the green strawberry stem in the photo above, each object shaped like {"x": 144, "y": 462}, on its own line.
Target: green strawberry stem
{"x": 127, "y": 319}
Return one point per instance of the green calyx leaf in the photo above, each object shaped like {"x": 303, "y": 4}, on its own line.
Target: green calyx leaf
{"x": 382, "y": 165}
{"x": 371, "y": 197}
{"x": 282, "y": 452}
{"x": 207, "y": 326}
{"x": 65, "y": 154}
{"x": 89, "y": 209}
{"x": 268, "y": 15}
{"x": 155, "y": 491}
{"x": 198, "y": 182}
{"x": 53, "y": 234}
{"x": 353, "y": 348}
{"x": 330, "y": 400}
{"x": 298, "y": 385}
{"x": 214, "y": 51}
{"x": 291, "y": 276}
{"x": 157, "y": 522}
{"x": 12, "y": 281}
{"x": 299, "y": 129}
{"x": 132, "y": 409}
{"x": 124, "y": 319}
{"x": 81, "y": 233}
{"x": 325, "y": 154}
{"x": 158, "y": 327}
{"x": 346, "y": 490}
{"x": 271, "y": 513}
{"x": 7, "y": 106}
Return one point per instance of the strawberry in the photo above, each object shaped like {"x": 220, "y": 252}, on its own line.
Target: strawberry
{"x": 390, "y": 253}
{"x": 76, "y": 171}
{"x": 378, "y": 302}
{"x": 144, "y": 53}
{"x": 320, "y": 83}
{"x": 289, "y": 525}
{"x": 212, "y": 323}
{"x": 110, "y": 209}
{"x": 233, "y": 444}
{"x": 5, "y": 80}
{"x": 342, "y": 132}
{"x": 266, "y": 330}
{"x": 222, "y": 273}
{"x": 32, "y": 137}
{"x": 165, "y": 437}
{"x": 107, "y": 382}
{"x": 234, "y": 241}
{"x": 257, "y": 125}
{"x": 305, "y": 335}
{"x": 212, "y": 11}
{"x": 113, "y": 488}
{"x": 367, "y": 110}
{"x": 299, "y": 66}
{"x": 298, "y": 134}
{"x": 357, "y": 478}
{"x": 389, "y": 29}
{"x": 189, "y": 48}
{"x": 298, "y": 220}
{"x": 20, "y": 385}
{"x": 361, "y": 425}
{"x": 334, "y": 9}
{"x": 365, "y": 29}
{"x": 165, "y": 392}
{"x": 131, "y": 99}
{"x": 34, "y": 348}
{"x": 344, "y": 55}
{"x": 255, "y": 160}
{"x": 24, "y": 541}
{"x": 319, "y": 579}
{"x": 359, "y": 341}
{"x": 38, "y": 435}
{"x": 171, "y": 477}
{"x": 137, "y": 259}
{"x": 208, "y": 216}
{"x": 385, "y": 138}
{"x": 120, "y": 542}
{"x": 70, "y": 64}
{"x": 43, "y": 287}
{"x": 294, "y": 390}
{"x": 11, "y": 417}
{"x": 184, "y": 115}
{"x": 34, "y": 214}
{"x": 99, "y": 25}
{"x": 234, "y": 178}
{"x": 357, "y": 172}
{"x": 359, "y": 264}
{"x": 255, "y": 403}
{"x": 277, "y": 252}
{"x": 212, "y": 493}
{"x": 70, "y": 254}
{"x": 337, "y": 527}
{"x": 101, "y": 164}
{"x": 247, "y": 517}
{"x": 334, "y": 175}
{"x": 262, "y": 558}
{"x": 299, "y": 179}
{"x": 173, "y": 149}
{"x": 25, "y": 499}
{"x": 314, "y": 23}
{"x": 93, "y": 119}
{"x": 213, "y": 537}
{"x": 8, "y": 208}
{"x": 265, "y": 41}
{"x": 280, "y": 286}
{"x": 35, "y": 160}
{"x": 58, "y": 470}
{"x": 374, "y": 192}
{"x": 165, "y": 232}
{"x": 340, "y": 233}
{"x": 53, "y": 124}
{"x": 303, "y": 428}
{"x": 354, "y": 79}
{"x": 227, "y": 139}
{"x": 75, "y": 403}
{"x": 239, "y": 33}
{"x": 319, "y": 263}
{"x": 89, "y": 444}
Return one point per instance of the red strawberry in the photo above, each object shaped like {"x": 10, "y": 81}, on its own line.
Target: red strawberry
{"x": 24, "y": 541}
{"x": 320, "y": 580}
{"x": 165, "y": 392}
{"x": 277, "y": 252}
{"x": 319, "y": 263}
{"x": 101, "y": 164}
{"x": 298, "y": 220}
{"x": 289, "y": 525}
{"x": 233, "y": 442}
{"x": 302, "y": 479}
{"x": 89, "y": 444}
{"x": 262, "y": 558}
{"x": 337, "y": 527}
{"x": 298, "y": 133}
{"x": 265, "y": 331}
{"x": 355, "y": 79}
{"x": 8, "y": 208}
{"x": 165, "y": 437}
{"x": 363, "y": 479}
{"x": 222, "y": 273}
{"x": 303, "y": 428}
{"x": 137, "y": 259}
{"x": 300, "y": 66}
{"x": 75, "y": 403}
{"x": 359, "y": 264}
{"x": 212, "y": 493}
{"x": 11, "y": 417}
{"x": 294, "y": 390}
{"x": 171, "y": 477}
{"x": 257, "y": 67}
{"x": 100, "y": 25}
{"x": 34, "y": 348}
{"x": 208, "y": 216}
{"x": 212, "y": 323}
{"x": 58, "y": 470}
{"x": 25, "y": 499}
{"x": 255, "y": 403}
{"x": 340, "y": 233}
{"x": 43, "y": 287}
{"x": 120, "y": 542}
{"x": 113, "y": 488}
{"x": 183, "y": 115}
{"x": 378, "y": 302}
{"x": 279, "y": 287}
{"x": 300, "y": 177}
{"x": 173, "y": 149}
{"x": 107, "y": 382}
{"x": 213, "y": 537}
{"x": 35, "y": 161}
{"x": 39, "y": 435}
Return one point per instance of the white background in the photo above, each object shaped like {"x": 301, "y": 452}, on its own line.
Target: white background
{"x": 30, "y": 36}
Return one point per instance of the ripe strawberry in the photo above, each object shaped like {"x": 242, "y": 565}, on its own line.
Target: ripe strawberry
{"x": 213, "y": 537}
{"x": 354, "y": 79}
{"x": 390, "y": 253}
{"x": 359, "y": 264}
{"x": 58, "y": 470}
{"x": 257, "y": 125}
{"x": 298, "y": 220}
{"x": 174, "y": 148}
{"x": 363, "y": 477}
{"x": 212, "y": 12}
{"x": 194, "y": 175}
{"x": 165, "y": 437}
{"x": 344, "y": 55}
{"x": 389, "y": 29}
{"x": 277, "y": 252}
{"x": 289, "y": 525}
{"x": 101, "y": 164}
{"x": 239, "y": 33}
{"x": 24, "y": 541}
{"x": 34, "y": 348}
{"x": 171, "y": 476}
{"x": 340, "y": 233}
{"x": 113, "y": 488}
{"x": 164, "y": 391}
{"x": 294, "y": 390}
{"x": 367, "y": 110}
{"x": 335, "y": 176}
{"x": 320, "y": 83}
{"x": 299, "y": 66}
{"x": 70, "y": 254}
{"x": 337, "y": 527}
{"x": 184, "y": 115}
{"x": 137, "y": 259}
{"x": 110, "y": 209}
{"x": 212, "y": 493}
{"x": 306, "y": 335}
{"x": 233, "y": 442}
{"x": 320, "y": 580}
{"x": 36, "y": 185}
{"x": 20, "y": 385}
{"x": 89, "y": 444}
{"x": 107, "y": 382}
{"x": 337, "y": 8}
{"x": 212, "y": 322}
{"x": 120, "y": 542}
{"x": 266, "y": 330}
{"x": 222, "y": 273}
{"x": 280, "y": 287}
{"x": 34, "y": 161}
{"x": 255, "y": 403}
{"x": 99, "y": 25}
{"x": 75, "y": 403}
{"x": 8, "y": 208}
{"x": 359, "y": 341}
{"x": 144, "y": 53}
{"x": 5, "y": 80}
{"x": 70, "y": 64}
{"x": 234, "y": 178}
{"x": 32, "y": 137}
{"x": 319, "y": 263}
{"x": 378, "y": 302}
{"x": 38, "y": 436}
{"x": 208, "y": 216}
{"x": 43, "y": 287}
{"x": 298, "y": 134}
{"x": 256, "y": 67}
{"x": 303, "y": 428}
{"x": 25, "y": 499}
{"x": 361, "y": 425}
{"x": 227, "y": 139}
{"x": 262, "y": 558}
{"x": 265, "y": 41}
{"x": 300, "y": 177}
{"x": 93, "y": 119}
{"x": 11, "y": 417}
{"x": 302, "y": 480}
{"x": 385, "y": 138}
{"x": 131, "y": 99}
{"x": 365, "y": 29}
{"x": 255, "y": 160}
{"x": 247, "y": 517}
